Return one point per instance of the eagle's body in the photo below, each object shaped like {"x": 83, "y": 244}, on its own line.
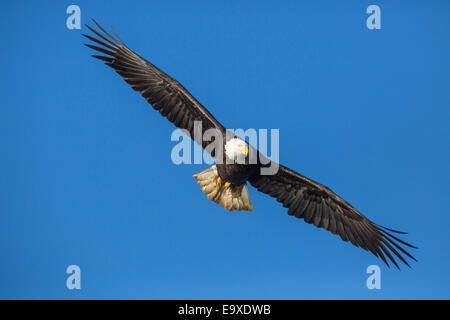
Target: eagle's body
{"x": 235, "y": 166}
{"x": 226, "y": 182}
{"x": 236, "y": 174}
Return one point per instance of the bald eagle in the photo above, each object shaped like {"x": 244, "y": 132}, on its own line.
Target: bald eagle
{"x": 226, "y": 182}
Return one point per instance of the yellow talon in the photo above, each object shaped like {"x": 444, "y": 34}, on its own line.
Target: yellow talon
{"x": 220, "y": 182}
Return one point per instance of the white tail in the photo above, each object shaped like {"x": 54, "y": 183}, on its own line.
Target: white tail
{"x": 232, "y": 198}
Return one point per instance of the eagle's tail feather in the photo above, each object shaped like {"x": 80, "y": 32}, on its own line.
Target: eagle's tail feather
{"x": 232, "y": 198}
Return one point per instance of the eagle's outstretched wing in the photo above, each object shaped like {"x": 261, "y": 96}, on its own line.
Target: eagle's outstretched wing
{"x": 162, "y": 91}
{"x": 318, "y": 205}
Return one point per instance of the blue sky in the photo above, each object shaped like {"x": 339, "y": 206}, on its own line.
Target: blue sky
{"x": 87, "y": 177}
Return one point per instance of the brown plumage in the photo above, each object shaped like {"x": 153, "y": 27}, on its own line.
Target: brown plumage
{"x": 318, "y": 205}
{"x": 163, "y": 92}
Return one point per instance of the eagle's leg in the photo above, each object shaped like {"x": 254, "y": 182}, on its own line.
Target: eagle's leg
{"x": 231, "y": 197}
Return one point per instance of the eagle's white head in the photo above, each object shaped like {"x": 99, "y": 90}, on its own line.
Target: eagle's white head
{"x": 237, "y": 150}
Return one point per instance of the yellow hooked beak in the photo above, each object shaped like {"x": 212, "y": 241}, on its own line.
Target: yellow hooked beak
{"x": 245, "y": 150}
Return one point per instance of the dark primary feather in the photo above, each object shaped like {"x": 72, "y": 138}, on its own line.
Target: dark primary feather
{"x": 318, "y": 205}
{"x": 163, "y": 92}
